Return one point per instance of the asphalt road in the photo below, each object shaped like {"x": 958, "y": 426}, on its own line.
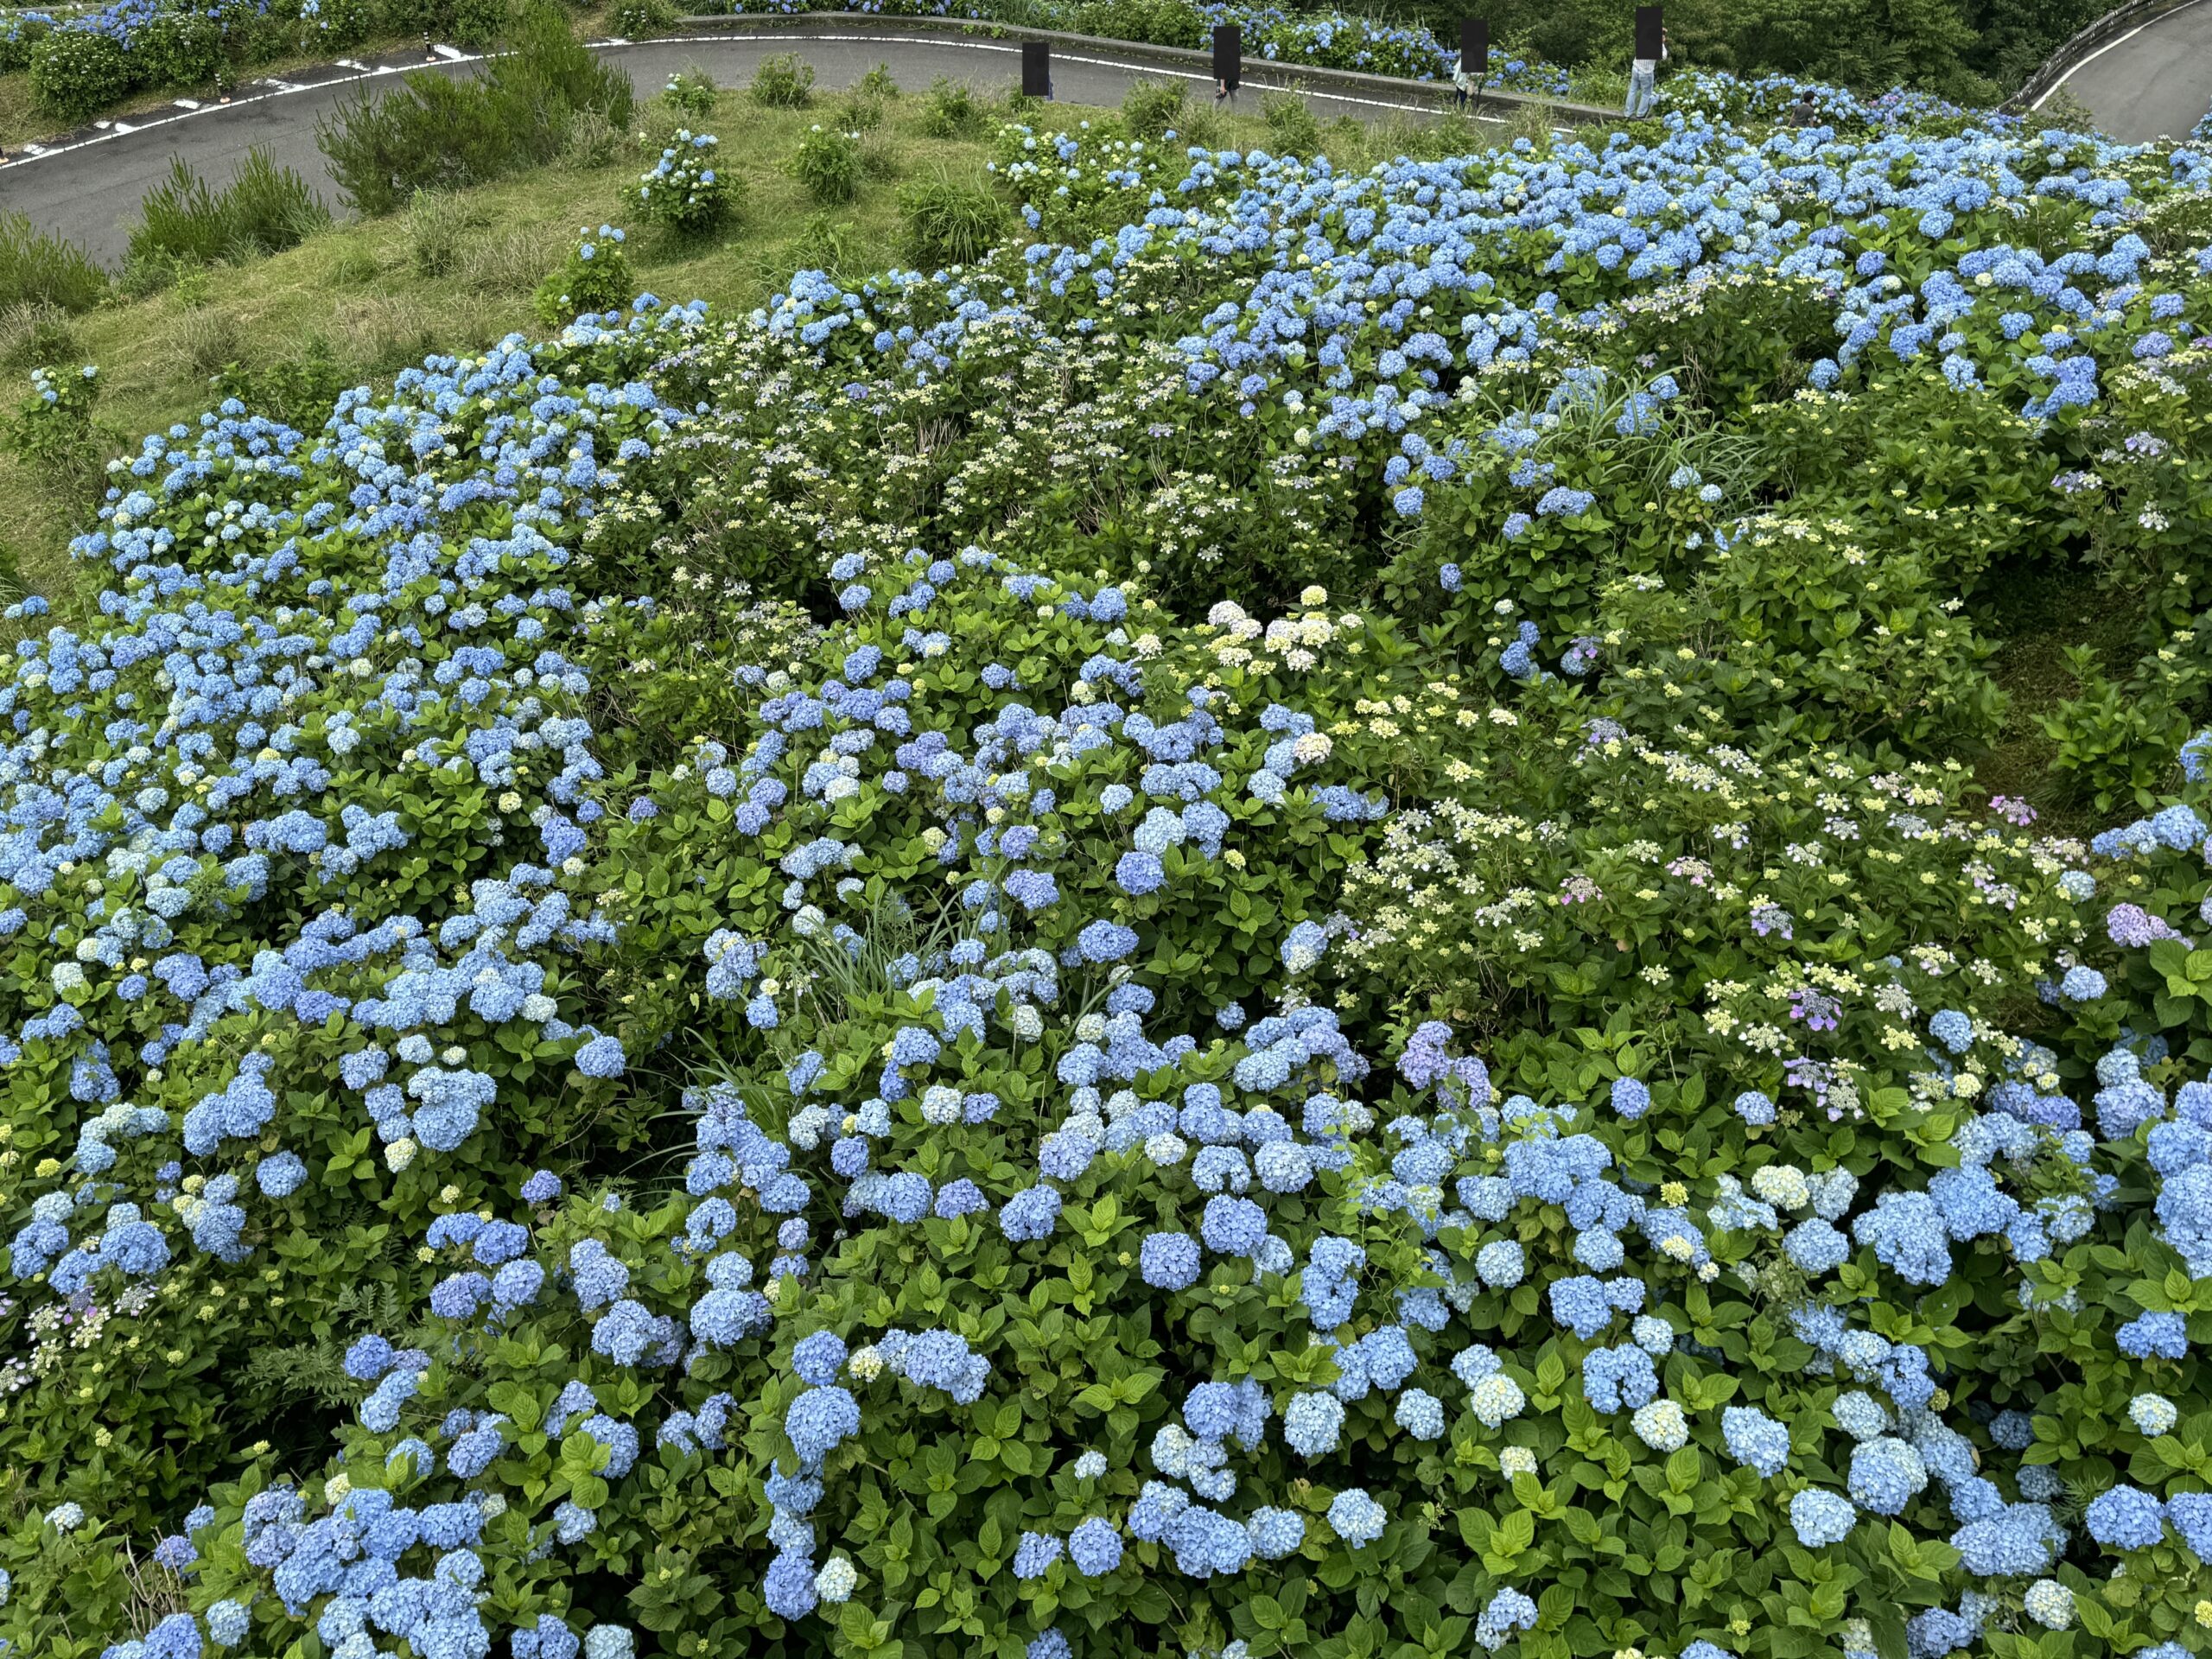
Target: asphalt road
{"x": 90, "y": 191}
{"x": 2154, "y": 83}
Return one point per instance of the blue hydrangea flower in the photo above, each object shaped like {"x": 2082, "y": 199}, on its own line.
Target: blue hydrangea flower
{"x": 1820, "y": 1518}
{"x": 1357, "y": 1518}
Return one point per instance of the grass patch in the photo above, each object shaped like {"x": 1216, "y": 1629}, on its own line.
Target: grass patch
{"x": 950, "y": 221}
{"x": 42, "y": 270}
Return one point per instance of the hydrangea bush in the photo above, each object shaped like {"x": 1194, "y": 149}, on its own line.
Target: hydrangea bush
{"x": 685, "y": 190}
{"x": 1254, "y": 930}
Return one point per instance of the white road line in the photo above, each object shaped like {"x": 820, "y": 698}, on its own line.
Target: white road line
{"x": 2109, "y": 45}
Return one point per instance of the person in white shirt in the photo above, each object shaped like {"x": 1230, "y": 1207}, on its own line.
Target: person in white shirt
{"x": 1643, "y": 81}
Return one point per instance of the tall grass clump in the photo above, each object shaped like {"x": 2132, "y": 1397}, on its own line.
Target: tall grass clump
{"x": 35, "y": 266}
{"x": 827, "y": 165}
{"x": 268, "y": 208}
{"x": 178, "y": 217}
{"x": 951, "y": 110}
{"x": 1292, "y": 125}
{"x": 783, "y": 83}
{"x": 1150, "y": 108}
{"x": 265, "y": 209}
{"x": 947, "y": 221}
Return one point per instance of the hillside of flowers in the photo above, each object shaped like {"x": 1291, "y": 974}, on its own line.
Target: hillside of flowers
{"x": 1264, "y": 929}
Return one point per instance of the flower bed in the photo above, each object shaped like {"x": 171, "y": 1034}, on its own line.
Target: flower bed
{"x": 81, "y": 62}
{"x": 1253, "y": 930}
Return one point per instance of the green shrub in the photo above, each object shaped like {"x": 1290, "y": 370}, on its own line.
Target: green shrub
{"x": 822, "y": 243}
{"x": 479, "y": 23}
{"x": 34, "y": 332}
{"x": 53, "y": 432}
{"x": 37, "y": 267}
{"x": 177, "y": 48}
{"x": 689, "y": 92}
{"x": 412, "y": 19}
{"x": 267, "y": 208}
{"x": 328, "y": 26}
{"x": 547, "y": 79}
{"x": 687, "y": 189}
{"x": 1292, "y": 126}
{"x": 1201, "y": 127}
{"x": 783, "y": 82}
{"x": 1151, "y": 108}
{"x": 429, "y": 133}
{"x": 595, "y": 277}
{"x": 594, "y": 142}
{"x": 951, "y": 110}
{"x": 200, "y": 340}
{"x": 17, "y": 37}
{"x": 76, "y": 74}
{"x": 639, "y": 20}
{"x": 253, "y": 33}
{"x": 858, "y": 112}
{"x": 180, "y": 218}
{"x": 944, "y": 221}
{"x": 876, "y": 84}
{"x": 2117, "y": 741}
{"x": 827, "y": 165}
{"x": 511, "y": 262}
{"x": 1159, "y": 22}
{"x": 437, "y": 225}
{"x": 153, "y": 272}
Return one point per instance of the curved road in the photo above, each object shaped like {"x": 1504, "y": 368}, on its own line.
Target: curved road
{"x": 89, "y": 190}
{"x": 2154, "y": 82}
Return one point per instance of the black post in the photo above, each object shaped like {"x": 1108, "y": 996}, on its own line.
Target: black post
{"x": 1036, "y": 69}
{"x": 1474, "y": 48}
{"x": 1650, "y": 33}
{"x": 1228, "y": 58}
